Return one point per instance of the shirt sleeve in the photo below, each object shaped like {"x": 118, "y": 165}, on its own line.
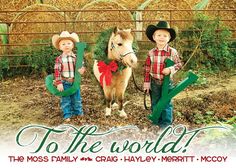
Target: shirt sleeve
{"x": 147, "y": 69}
{"x": 57, "y": 72}
{"x": 177, "y": 62}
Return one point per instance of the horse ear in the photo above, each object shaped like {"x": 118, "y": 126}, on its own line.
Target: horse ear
{"x": 116, "y": 29}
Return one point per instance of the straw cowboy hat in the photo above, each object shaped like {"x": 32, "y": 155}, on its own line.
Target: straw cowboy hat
{"x": 64, "y": 35}
{"x": 160, "y": 25}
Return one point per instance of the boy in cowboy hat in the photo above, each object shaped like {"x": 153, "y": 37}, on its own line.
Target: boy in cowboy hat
{"x": 64, "y": 73}
{"x": 160, "y": 34}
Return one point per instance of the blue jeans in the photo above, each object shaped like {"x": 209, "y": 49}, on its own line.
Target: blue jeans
{"x": 166, "y": 117}
{"x": 71, "y": 105}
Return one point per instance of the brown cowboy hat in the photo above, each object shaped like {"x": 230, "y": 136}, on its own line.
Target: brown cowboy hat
{"x": 160, "y": 25}
{"x": 64, "y": 35}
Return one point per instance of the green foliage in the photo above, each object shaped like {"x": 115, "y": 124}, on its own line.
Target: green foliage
{"x": 206, "y": 118}
{"x": 100, "y": 49}
{"x": 42, "y": 60}
{"x": 39, "y": 61}
{"x": 201, "y": 5}
{"x": 3, "y": 40}
{"x": 233, "y": 50}
{"x": 202, "y": 80}
{"x": 178, "y": 114}
{"x": 4, "y": 66}
{"x": 232, "y": 121}
{"x": 209, "y": 41}
{"x": 3, "y": 29}
{"x": 40, "y": 1}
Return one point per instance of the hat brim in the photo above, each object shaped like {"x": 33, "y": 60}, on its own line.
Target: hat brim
{"x": 56, "y": 40}
{"x": 152, "y": 28}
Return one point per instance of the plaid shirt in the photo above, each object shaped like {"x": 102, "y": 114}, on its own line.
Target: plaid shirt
{"x": 155, "y": 63}
{"x": 64, "y": 67}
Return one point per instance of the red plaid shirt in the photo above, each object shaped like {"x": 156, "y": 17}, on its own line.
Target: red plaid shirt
{"x": 64, "y": 67}
{"x": 155, "y": 63}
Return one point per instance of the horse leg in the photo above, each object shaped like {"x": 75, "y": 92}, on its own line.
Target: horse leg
{"x": 108, "y": 107}
{"x": 108, "y": 96}
{"x": 121, "y": 85}
{"x": 120, "y": 98}
{"x": 103, "y": 95}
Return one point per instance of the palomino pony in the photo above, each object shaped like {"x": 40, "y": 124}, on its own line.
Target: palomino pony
{"x": 114, "y": 59}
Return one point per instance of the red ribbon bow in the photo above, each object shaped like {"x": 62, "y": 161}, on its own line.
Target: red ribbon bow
{"x": 106, "y": 71}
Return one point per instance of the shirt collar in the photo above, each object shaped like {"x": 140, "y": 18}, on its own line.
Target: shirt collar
{"x": 71, "y": 54}
{"x": 166, "y": 48}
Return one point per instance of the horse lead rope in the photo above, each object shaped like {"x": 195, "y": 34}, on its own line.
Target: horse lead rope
{"x": 123, "y": 55}
{"x": 145, "y": 92}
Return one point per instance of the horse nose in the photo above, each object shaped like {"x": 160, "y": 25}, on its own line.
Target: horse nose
{"x": 134, "y": 60}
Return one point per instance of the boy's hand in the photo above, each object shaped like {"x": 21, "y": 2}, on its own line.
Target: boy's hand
{"x": 146, "y": 89}
{"x": 82, "y": 70}
{"x": 166, "y": 71}
{"x": 60, "y": 87}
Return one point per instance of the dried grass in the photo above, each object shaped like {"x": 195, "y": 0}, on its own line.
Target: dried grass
{"x": 35, "y": 27}
{"x": 100, "y": 15}
{"x": 13, "y": 5}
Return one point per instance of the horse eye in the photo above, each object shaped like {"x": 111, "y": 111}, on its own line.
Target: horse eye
{"x": 119, "y": 44}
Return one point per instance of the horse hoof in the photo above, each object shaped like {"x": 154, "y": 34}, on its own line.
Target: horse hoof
{"x": 122, "y": 113}
{"x": 114, "y": 105}
{"x": 108, "y": 111}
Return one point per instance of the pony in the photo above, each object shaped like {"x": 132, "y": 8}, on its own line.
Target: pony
{"x": 114, "y": 58}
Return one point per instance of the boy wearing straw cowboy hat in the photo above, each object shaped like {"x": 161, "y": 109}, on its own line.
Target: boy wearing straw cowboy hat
{"x": 64, "y": 73}
{"x": 160, "y": 34}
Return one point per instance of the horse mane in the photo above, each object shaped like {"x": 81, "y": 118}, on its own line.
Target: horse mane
{"x": 101, "y": 48}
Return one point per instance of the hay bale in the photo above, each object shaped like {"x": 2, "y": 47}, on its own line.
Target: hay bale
{"x": 121, "y": 16}
{"x": 31, "y": 25}
{"x": 79, "y": 4}
{"x": 14, "y": 6}
{"x": 192, "y": 3}
{"x": 68, "y": 5}
{"x": 166, "y": 15}
{"x": 130, "y": 4}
